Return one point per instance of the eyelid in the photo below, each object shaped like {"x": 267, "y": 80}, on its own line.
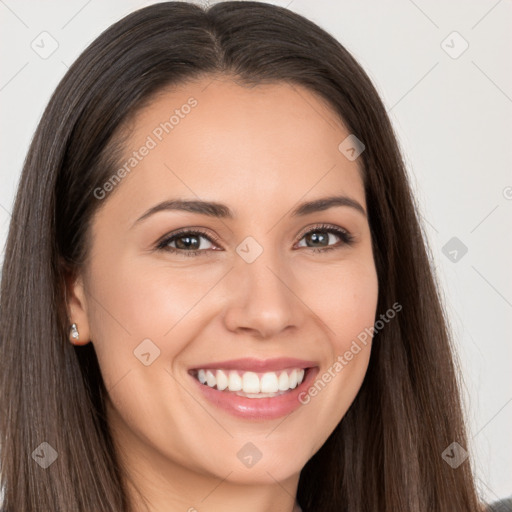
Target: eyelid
{"x": 191, "y": 230}
{"x": 323, "y": 226}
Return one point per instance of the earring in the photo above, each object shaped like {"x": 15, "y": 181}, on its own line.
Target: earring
{"x": 74, "y": 332}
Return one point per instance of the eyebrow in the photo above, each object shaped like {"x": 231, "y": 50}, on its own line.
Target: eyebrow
{"x": 222, "y": 211}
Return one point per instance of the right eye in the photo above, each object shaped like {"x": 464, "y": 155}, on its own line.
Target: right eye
{"x": 189, "y": 240}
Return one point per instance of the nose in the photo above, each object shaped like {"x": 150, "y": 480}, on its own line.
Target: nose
{"x": 262, "y": 300}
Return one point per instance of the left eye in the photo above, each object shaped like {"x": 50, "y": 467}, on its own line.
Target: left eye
{"x": 319, "y": 237}
{"x": 188, "y": 243}
{"x": 311, "y": 235}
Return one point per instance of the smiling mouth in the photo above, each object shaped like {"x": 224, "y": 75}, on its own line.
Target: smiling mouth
{"x": 251, "y": 384}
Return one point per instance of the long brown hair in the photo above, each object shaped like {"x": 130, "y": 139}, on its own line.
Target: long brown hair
{"x": 386, "y": 453}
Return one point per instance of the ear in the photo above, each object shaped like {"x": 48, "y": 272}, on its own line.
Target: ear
{"x": 76, "y": 305}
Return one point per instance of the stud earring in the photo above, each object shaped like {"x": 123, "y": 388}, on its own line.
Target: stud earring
{"x": 74, "y": 332}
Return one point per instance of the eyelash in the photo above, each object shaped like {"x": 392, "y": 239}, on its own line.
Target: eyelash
{"x": 346, "y": 237}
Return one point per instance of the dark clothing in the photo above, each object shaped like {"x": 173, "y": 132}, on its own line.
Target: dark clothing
{"x": 501, "y": 506}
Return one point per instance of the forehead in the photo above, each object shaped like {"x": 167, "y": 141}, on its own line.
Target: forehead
{"x": 245, "y": 146}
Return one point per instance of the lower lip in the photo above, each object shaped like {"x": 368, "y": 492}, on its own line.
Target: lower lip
{"x": 258, "y": 408}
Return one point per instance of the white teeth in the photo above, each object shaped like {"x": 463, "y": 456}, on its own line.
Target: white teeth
{"x": 259, "y": 395}
{"x": 252, "y": 384}
{"x": 222, "y": 380}
{"x": 235, "y": 381}
{"x": 284, "y": 382}
{"x": 269, "y": 383}
{"x": 293, "y": 379}
{"x": 210, "y": 378}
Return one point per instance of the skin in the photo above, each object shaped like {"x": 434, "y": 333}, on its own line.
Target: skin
{"x": 261, "y": 151}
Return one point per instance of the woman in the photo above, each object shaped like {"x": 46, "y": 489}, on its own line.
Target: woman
{"x": 216, "y": 293}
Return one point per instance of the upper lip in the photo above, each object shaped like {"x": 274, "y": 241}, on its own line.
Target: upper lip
{"x": 257, "y": 365}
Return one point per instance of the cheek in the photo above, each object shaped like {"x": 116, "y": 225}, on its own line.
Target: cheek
{"x": 133, "y": 300}
{"x": 345, "y": 298}
{"x": 139, "y": 300}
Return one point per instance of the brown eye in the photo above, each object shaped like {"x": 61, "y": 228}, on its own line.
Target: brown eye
{"x": 188, "y": 243}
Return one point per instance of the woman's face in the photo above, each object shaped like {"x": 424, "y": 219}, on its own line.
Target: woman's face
{"x": 257, "y": 287}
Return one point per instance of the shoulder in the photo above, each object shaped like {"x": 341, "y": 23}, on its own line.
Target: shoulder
{"x": 501, "y": 506}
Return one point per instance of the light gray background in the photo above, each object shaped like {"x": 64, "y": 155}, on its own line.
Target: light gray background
{"x": 454, "y": 121}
